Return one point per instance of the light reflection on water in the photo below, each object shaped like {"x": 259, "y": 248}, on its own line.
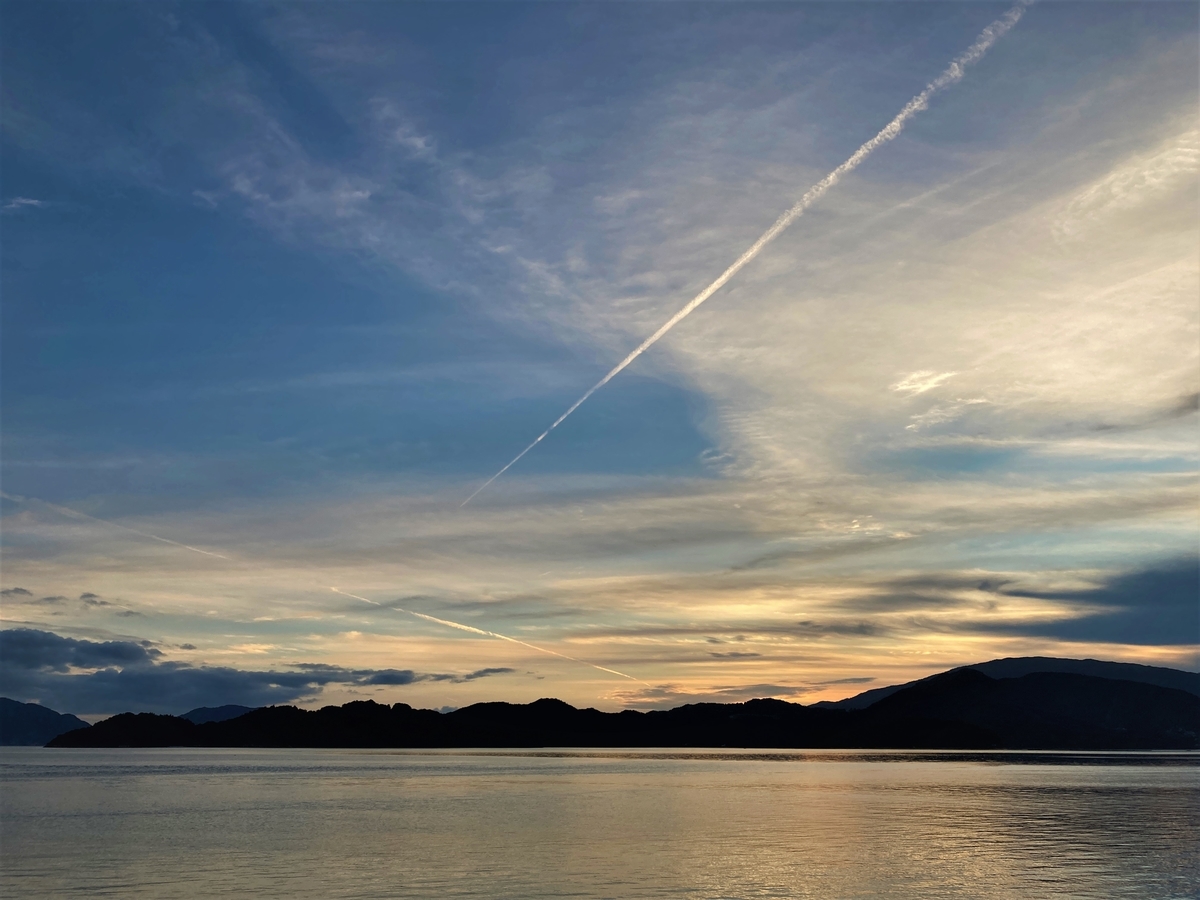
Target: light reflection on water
{"x": 693, "y": 824}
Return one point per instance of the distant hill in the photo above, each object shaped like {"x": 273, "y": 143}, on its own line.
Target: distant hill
{"x": 202, "y": 714}
{"x": 1015, "y": 667}
{"x": 960, "y": 709}
{"x": 1047, "y": 710}
{"x": 29, "y": 724}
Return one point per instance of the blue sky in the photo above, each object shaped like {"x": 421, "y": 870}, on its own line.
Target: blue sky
{"x": 287, "y": 282}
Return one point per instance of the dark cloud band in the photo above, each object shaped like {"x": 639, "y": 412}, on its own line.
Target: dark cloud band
{"x": 131, "y": 676}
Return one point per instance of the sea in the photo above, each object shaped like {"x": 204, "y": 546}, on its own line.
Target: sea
{"x": 183, "y": 823}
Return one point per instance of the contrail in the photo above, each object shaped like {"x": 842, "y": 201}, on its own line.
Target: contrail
{"x": 953, "y": 73}
{"x": 76, "y": 514}
{"x": 73, "y": 513}
{"x": 491, "y": 634}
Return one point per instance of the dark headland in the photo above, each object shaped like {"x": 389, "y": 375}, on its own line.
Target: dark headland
{"x": 29, "y": 724}
{"x": 1150, "y": 708}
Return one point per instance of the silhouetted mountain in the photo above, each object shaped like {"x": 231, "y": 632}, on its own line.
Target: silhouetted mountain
{"x": 136, "y": 730}
{"x": 960, "y": 709}
{"x": 1046, "y": 710}
{"x": 1015, "y": 667}
{"x": 202, "y": 714}
{"x": 29, "y": 724}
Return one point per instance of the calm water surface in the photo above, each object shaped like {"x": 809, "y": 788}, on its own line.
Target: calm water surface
{"x": 396, "y": 824}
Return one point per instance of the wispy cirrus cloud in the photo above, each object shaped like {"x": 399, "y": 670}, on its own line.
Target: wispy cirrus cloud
{"x": 1147, "y": 179}
{"x": 922, "y": 381}
{"x": 18, "y": 203}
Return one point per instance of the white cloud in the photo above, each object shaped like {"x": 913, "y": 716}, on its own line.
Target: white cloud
{"x": 946, "y": 412}
{"x": 1167, "y": 171}
{"x": 922, "y": 381}
{"x": 17, "y": 203}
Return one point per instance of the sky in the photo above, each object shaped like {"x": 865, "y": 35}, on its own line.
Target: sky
{"x": 285, "y": 283}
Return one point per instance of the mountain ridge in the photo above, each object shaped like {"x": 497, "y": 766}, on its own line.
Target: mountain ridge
{"x": 959, "y": 709}
{"x": 202, "y": 714}
{"x": 32, "y": 725}
{"x": 1016, "y": 666}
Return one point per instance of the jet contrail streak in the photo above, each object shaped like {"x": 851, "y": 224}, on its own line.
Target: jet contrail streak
{"x": 72, "y": 513}
{"x": 76, "y": 514}
{"x": 953, "y": 73}
{"x": 491, "y": 634}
